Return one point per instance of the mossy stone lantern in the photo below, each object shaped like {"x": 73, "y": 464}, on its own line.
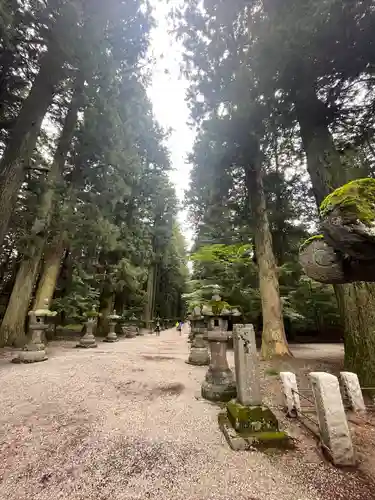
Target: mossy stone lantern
{"x": 88, "y": 339}
{"x": 112, "y": 321}
{"x": 34, "y": 350}
{"x": 219, "y": 383}
{"x": 199, "y": 354}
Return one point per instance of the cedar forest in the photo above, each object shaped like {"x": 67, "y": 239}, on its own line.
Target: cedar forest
{"x": 282, "y": 97}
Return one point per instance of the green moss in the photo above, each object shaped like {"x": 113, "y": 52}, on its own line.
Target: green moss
{"x": 309, "y": 240}
{"x": 251, "y": 419}
{"x": 272, "y": 372}
{"x": 356, "y": 197}
{"x": 267, "y": 440}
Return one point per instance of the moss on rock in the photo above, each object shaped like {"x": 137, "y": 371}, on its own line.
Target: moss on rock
{"x": 309, "y": 240}
{"x": 251, "y": 419}
{"x": 356, "y": 197}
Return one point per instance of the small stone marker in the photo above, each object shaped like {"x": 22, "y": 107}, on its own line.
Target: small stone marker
{"x": 333, "y": 426}
{"x": 246, "y": 365}
{"x": 353, "y": 391}
{"x": 290, "y": 391}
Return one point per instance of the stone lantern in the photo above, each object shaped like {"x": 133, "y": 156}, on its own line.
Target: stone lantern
{"x": 88, "y": 339}
{"x": 130, "y": 329}
{"x": 199, "y": 354}
{"x": 34, "y": 350}
{"x": 219, "y": 383}
{"x": 112, "y": 320}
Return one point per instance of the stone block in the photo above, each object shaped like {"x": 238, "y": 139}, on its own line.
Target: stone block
{"x": 290, "y": 391}
{"x": 333, "y": 425}
{"x": 257, "y": 440}
{"x": 353, "y": 391}
{"x": 251, "y": 419}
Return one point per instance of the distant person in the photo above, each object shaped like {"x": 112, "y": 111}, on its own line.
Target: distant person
{"x": 157, "y": 329}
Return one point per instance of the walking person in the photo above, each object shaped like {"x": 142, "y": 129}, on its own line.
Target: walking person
{"x": 157, "y": 329}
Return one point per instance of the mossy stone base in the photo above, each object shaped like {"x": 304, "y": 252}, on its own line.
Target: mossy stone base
{"x": 276, "y": 440}
{"x": 257, "y": 440}
{"x": 249, "y": 419}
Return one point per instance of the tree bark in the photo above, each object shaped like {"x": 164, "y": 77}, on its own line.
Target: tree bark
{"x": 26, "y": 130}
{"x": 327, "y": 173}
{"x": 105, "y": 309}
{"x": 12, "y": 326}
{"x": 273, "y": 336}
{"x": 149, "y": 306}
{"x": 50, "y": 272}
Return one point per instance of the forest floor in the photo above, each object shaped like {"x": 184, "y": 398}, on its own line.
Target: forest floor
{"x": 124, "y": 421}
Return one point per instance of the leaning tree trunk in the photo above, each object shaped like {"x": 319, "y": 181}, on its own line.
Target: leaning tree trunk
{"x": 50, "y": 271}
{"x": 274, "y": 341}
{"x": 356, "y": 301}
{"x": 12, "y": 326}
{"x": 26, "y": 130}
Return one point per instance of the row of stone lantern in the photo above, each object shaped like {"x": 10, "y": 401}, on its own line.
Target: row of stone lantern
{"x": 88, "y": 339}
{"x": 209, "y": 332}
{"x": 34, "y": 350}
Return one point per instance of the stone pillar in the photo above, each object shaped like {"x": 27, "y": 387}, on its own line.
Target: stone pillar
{"x": 111, "y": 336}
{"x": 219, "y": 384}
{"x": 199, "y": 354}
{"x": 333, "y": 426}
{"x": 353, "y": 391}
{"x": 88, "y": 339}
{"x": 34, "y": 350}
{"x": 246, "y": 365}
{"x": 291, "y": 396}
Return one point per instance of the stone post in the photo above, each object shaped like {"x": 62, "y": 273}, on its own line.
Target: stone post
{"x": 111, "y": 336}
{"x": 247, "y": 422}
{"x": 219, "y": 384}
{"x": 333, "y": 426}
{"x": 88, "y": 339}
{"x": 34, "y": 350}
{"x": 291, "y": 396}
{"x": 353, "y": 391}
{"x": 246, "y": 365}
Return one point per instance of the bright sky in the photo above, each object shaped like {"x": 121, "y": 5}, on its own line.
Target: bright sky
{"x": 167, "y": 93}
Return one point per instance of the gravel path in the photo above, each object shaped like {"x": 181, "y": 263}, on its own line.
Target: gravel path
{"x": 123, "y": 422}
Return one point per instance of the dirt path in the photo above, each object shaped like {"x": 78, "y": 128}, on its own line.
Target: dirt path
{"x": 123, "y": 422}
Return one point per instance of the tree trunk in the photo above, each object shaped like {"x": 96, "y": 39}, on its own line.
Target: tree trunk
{"x": 148, "y": 310}
{"x": 50, "y": 272}
{"x": 25, "y": 133}
{"x": 273, "y": 336}
{"x": 11, "y": 330}
{"x": 105, "y": 309}
{"x": 356, "y": 301}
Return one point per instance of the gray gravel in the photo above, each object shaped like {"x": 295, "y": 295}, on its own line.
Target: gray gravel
{"x": 123, "y": 422}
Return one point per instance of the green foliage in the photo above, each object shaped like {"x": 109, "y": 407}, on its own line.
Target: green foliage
{"x": 222, "y": 253}
{"x": 82, "y": 296}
